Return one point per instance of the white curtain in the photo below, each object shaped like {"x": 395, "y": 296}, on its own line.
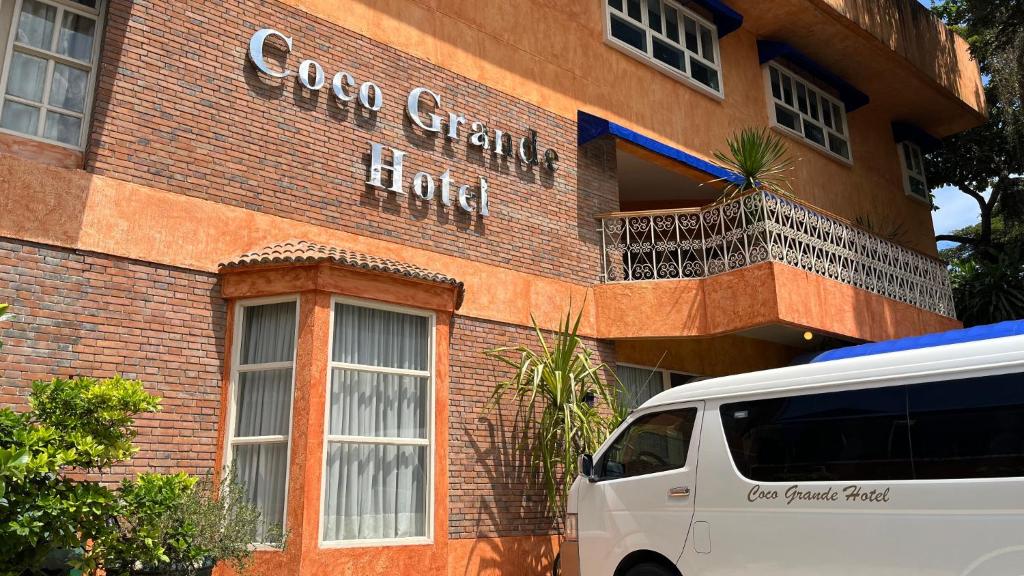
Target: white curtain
{"x": 378, "y": 491}
{"x": 263, "y": 406}
{"x": 639, "y": 385}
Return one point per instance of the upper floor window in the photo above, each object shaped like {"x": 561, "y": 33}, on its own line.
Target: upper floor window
{"x": 49, "y": 69}
{"x": 808, "y": 112}
{"x": 912, "y": 159}
{"x": 670, "y": 36}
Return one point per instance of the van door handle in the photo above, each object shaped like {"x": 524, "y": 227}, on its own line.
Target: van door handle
{"x": 679, "y": 492}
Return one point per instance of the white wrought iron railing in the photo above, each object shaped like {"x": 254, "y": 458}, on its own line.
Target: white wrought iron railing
{"x": 762, "y": 227}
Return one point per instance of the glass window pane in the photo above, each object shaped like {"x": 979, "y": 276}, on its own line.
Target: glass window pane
{"x": 629, "y": 34}
{"x": 838, "y": 145}
{"x": 68, "y": 88}
{"x": 787, "y": 118}
{"x": 776, "y": 85}
{"x": 918, "y": 187}
{"x": 908, "y": 158}
{"x": 653, "y": 443}
{"x": 373, "y": 337}
{"x": 76, "y": 36}
{"x": 704, "y": 74}
{"x": 87, "y": 3}
{"x": 381, "y": 405}
{"x": 669, "y": 55}
{"x": 63, "y": 128}
{"x": 826, "y": 112}
{"x": 654, "y": 15}
{"x": 858, "y": 435}
{"x": 20, "y": 118}
{"x": 801, "y": 97}
{"x": 617, "y": 4}
{"x": 263, "y": 469}
{"x": 633, "y": 10}
{"x": 837, "y": 113}
{"x": 263, "y": 403}
{"x": 638, "y": 385}
{"x": 27, "y": 77}
{"x": 971, "y": 428}
{"x": 691, "y": 34}
{"x": 814, "y": 105}
{"x": 672, "y": 24}
{"x": 35, "y": 24}
{"x": 677, "y": 379}
{"x": 787, "y": 90}
{"x": 814, "y": 133}
{"x": 707, "y": 46}
{"x": 375, "y": 492}
{"x": 268, "y": 333}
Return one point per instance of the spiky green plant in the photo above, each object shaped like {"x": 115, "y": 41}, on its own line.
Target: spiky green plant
{"x": 550, "y": 387}
{"x": 762, "y": 161}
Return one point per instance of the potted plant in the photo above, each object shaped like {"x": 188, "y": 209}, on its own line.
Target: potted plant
{"x": 177, "y": 524}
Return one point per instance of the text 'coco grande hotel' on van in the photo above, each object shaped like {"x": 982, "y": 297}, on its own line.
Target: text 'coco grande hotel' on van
{"x": 303, "y": 222}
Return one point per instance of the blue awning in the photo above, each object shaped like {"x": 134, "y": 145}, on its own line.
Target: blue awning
{"x": 904, "y": 132}
{"x": 1003, "y": 329}
{"x": 590, "y": 127}
{"x": 726, "y": 19}
{"x": 770, "y": 50}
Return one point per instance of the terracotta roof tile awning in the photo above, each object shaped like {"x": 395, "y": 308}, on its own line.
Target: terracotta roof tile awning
{"x": 304, "y": 252}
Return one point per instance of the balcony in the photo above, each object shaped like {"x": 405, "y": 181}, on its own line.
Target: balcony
{"x": 693, "y": 244}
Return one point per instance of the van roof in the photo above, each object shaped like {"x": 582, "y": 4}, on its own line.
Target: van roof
{"x": 987, "y": 332}
{"x": 959, "y": 360}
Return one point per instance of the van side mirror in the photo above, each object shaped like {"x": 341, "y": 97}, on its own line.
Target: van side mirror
{"x": 586, "y": 467}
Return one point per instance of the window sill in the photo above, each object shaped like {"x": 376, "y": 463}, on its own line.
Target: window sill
{"x": 918, "y": 199}
{"x": 40, "y": 151}
{"x": 672, "y": 73}
{"x": 380, "y": 543}
{"x": 806, "y": 144}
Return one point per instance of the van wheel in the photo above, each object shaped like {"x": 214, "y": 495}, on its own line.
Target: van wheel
{"x": 648, "y": 569}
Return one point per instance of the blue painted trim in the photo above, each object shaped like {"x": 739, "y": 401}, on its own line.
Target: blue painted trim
{"x": 726, "y": 19}
{"x": 904, "y": 131}
{"x": 1001, "y": 330}
{"x": 590, "y": 127}
{"x": 852, "y": 97}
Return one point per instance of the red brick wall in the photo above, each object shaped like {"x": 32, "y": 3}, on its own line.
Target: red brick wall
{"x": 78, "y": 313}
{"x": 179, "y": 107}
{"x": 492, "y": 490}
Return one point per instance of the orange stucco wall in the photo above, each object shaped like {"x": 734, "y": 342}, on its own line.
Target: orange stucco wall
{"x": 74, "y": 209}
{"x": 555, "y": 55}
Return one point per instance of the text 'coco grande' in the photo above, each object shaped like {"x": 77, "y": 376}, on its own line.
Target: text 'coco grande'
{"x": 369, "y": 96}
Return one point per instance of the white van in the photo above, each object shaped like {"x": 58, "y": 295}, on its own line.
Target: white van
{"x": 908, "y": 462}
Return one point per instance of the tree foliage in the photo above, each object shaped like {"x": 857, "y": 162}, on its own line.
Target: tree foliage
{"x": 559, "y": 381}
{"x": 987, "y": 164}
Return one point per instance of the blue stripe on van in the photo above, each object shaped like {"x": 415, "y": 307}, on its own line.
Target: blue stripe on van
{"x": 1001, "y": 330}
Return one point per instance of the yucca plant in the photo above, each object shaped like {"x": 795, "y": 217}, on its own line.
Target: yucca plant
{"x": 762, "y": 161}
{"x": 565, "y": 408}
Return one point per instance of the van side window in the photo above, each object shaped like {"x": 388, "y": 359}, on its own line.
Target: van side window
{"x": 652, "y": 443}
{"x": 850, "y": 435}
{"x": 968, "y": 428}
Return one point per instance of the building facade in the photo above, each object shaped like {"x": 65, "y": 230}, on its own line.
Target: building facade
{"x": 302, "y": 223}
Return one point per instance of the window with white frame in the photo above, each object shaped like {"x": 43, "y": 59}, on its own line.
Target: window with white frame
{"x": 261, "y": 407}
{"x": 640, "y": 384}
{"x": 670, "y": 36}
{"x": 914, "y": 181}
{"x": 377, "y": 454}
{"x": 49, "y": 70}
{"x": 808, "y": 112}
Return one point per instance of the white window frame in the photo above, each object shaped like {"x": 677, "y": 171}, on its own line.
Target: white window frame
{"x": 909, "y": 173}
{"x": 648, "y": 57}
{"x": 236, "y": 369}
{"x": 429, "y": 442}
{"x": 666, "y": 375}
{"x": 794, "y": 108}
{"x": 51, "y": 58}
